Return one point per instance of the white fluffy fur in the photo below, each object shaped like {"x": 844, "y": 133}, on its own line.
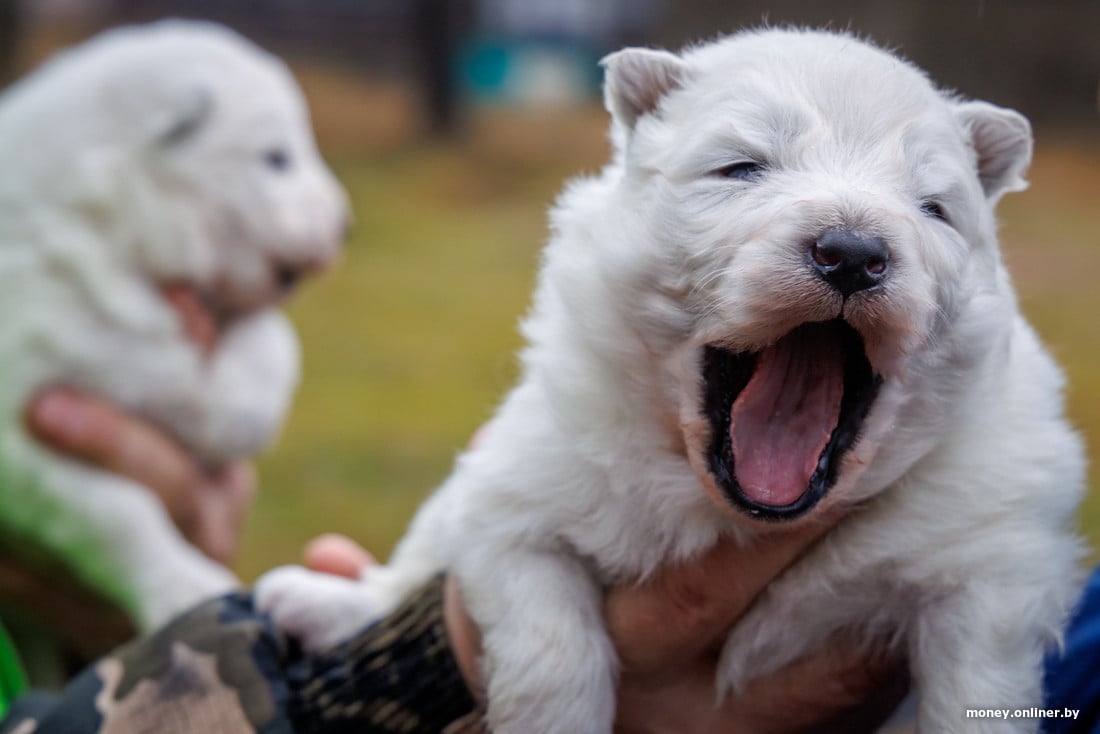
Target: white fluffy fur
{"x": 966, "y": 475}
{"x": 138, "y": 159}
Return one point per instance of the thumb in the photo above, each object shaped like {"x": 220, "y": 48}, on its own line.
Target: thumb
{"x": 338, "y": 555}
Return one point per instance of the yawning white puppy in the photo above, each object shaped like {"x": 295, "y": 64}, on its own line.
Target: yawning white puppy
{"x": 783, "y": 295}
{"x": 175, "y": 154}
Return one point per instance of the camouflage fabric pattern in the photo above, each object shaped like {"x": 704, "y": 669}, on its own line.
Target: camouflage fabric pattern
{"x": 223, "y": 669}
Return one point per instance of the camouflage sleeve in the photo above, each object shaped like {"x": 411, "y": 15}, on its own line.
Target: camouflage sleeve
{"x": 223, "y": 668}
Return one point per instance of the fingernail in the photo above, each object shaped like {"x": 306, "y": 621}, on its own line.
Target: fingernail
{"x": 60, "y": 413}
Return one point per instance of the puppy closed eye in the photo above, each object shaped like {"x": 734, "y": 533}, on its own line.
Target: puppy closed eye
{"x": 741, "y": 171}
{"x": 934, "y": 209}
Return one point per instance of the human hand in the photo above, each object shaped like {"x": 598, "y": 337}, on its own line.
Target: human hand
{"x": 667, "y": 632}
{"x": 338, "y": 555}
{"x": 208, "y": 508}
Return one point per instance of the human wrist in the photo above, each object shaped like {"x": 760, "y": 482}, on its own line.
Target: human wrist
{"x": 401, "y": 672}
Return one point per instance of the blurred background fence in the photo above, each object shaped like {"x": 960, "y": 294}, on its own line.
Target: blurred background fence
{"x": 1036, "y": 55}
{"x": 454, "y": 122}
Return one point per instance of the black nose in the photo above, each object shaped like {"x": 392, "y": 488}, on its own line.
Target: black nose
{"x": 850, "y": 261}
{"x": 287, "y": 275}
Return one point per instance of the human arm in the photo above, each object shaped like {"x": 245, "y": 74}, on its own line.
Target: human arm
{"x": 209, "y": 507}
{"x": 414, "y": 669}
{"x": 668, "y": 631}
{"x": 665, "y": 631}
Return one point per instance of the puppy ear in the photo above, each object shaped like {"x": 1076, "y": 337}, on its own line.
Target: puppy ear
{"x": 187, "y": 117}
{"x": 1002, "y": 140}
{"x": 636, "y": 79}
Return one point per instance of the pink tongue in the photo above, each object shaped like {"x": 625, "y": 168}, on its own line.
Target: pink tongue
{"x": 782, "y": 420}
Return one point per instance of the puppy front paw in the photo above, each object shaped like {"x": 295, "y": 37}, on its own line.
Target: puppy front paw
{"x": 167, "y": 596}
{"x": 318, "y": 609}
{"x": 752, "y": 651}
{"x": 734, "y": 672}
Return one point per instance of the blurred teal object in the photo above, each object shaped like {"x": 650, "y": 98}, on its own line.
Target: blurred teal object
{"x": 529, "y": 71}
{"x": 485, "y": 66}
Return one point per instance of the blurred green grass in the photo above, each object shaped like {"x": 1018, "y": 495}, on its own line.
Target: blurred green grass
{"x": 1051, "y": 237}
{"x": 409, "y": 343}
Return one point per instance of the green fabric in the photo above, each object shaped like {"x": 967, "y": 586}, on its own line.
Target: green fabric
{"x": 12, "y": 680}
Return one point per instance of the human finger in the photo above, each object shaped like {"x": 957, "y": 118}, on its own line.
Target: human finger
{"x": 338, "y": 555}
{"x": 225, "y": 499}
{"x": 686, "y": 608}
{"x": 684, "y": 702}
{"x": 843, "y": 687}
{"x": 90, "y": 429}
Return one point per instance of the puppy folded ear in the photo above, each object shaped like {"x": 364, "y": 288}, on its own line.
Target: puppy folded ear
{"x": 1002, "y": 140}
{"x": 185, "y": 117}
{"x": 636, "y": 79}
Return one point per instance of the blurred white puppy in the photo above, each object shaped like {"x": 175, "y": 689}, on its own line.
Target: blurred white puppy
{"x": 783, "y": 295}
{"x": 173, "y": 154}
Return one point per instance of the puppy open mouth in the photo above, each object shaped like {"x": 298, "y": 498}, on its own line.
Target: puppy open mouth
{"x": 782, "y": 418}
{"x": 206, "y": 313}
{"x": 198, "y": 319}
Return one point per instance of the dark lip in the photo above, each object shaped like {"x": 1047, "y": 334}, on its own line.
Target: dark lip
{"x": 725, "y": 375}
